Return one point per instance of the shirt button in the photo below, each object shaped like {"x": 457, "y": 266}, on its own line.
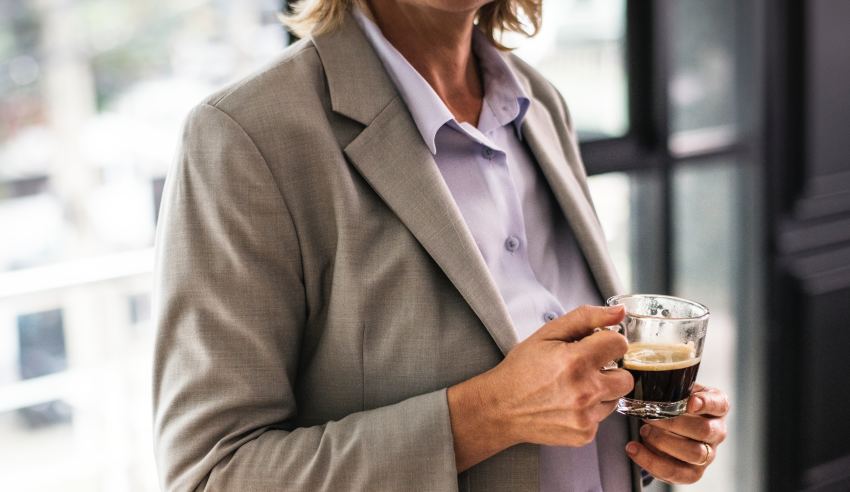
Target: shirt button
{"x": 549, "y": 316}
{"x": 488, "y": 153}
{"x": 512, "y": 243}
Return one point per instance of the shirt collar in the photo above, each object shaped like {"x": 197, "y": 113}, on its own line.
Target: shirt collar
{"x": 503, "y": 93}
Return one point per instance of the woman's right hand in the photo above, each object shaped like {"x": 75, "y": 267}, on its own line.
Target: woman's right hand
{"x": 550, "y": 389}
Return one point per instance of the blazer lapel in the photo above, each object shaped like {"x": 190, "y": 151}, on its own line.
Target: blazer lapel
{"x": 539, "y": 131}
{"x": 391, "y": 156}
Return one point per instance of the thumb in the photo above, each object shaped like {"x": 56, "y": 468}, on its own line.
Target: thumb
{"x": 580, "y": 323}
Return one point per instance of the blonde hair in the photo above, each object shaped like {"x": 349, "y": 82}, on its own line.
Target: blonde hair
{"x": 313, "y": 17}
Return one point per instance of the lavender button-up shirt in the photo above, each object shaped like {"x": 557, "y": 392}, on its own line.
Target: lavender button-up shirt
{"x": 525, "y": 241}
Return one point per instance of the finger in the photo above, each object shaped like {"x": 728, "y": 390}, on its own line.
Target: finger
{"x": 708, "y": 401}
{"x": 663, "y": 467}
{"x": 602, "y": 410}
{"x": 617, "y": 383}
{"x": 580, "y": 322}
{"x": 681, "y": 448}
{"x": 602, "y": 347}
{"x": 709, "y": 430}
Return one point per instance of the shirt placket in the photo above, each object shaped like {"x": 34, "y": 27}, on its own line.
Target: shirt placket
{"x": 530, "y": 304}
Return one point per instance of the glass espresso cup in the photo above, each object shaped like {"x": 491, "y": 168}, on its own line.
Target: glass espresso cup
{"x": 666, "y": 336}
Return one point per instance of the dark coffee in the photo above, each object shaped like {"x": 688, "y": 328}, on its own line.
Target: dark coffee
{"x": 662, "y": 373}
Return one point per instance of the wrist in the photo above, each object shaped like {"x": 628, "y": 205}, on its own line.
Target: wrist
{"x": 480, "y": 426}
{"x": 495, "y": 414}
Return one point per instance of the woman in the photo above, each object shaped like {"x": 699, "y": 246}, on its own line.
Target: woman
{"x": 370, "y": 263}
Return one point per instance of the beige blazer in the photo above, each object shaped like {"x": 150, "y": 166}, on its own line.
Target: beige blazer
{"x": 317, "y": 290}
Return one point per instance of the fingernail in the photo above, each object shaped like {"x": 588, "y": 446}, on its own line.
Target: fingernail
{"x": 614, "y": 309}
{"x": 698, "y": 403}
{"x": 631, "y": 448}
{"x": 644, "y": 430}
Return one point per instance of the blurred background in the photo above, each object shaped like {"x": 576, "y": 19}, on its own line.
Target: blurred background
{"x": 712, "y": 131}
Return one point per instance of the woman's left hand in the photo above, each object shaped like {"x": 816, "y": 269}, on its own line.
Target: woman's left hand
{"x": 678, "y": 450}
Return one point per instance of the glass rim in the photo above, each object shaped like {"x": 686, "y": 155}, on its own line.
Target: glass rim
{"x": 705, "y": 315}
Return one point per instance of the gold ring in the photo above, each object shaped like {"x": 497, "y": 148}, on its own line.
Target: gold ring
{"x": 707, "y": 454}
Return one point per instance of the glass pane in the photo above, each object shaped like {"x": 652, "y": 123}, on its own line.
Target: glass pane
{"x": 612, "y": 194}
{"x": 702, "y": 85}
{"x": 581, "y": 49}
{"x": 713, "y": 238}
{"x": 92, "y": 96}
{"x": 627, "y": 206}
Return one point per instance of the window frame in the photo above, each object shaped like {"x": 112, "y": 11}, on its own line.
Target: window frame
{"x": 650, "y": 145}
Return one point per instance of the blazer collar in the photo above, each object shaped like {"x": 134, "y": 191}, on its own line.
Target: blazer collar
{"x": 357, "y": 82}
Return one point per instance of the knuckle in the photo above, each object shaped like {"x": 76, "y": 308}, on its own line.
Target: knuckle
{"x": 666, "y": 471}
{"x": 586, "y": 435}
{"x": 718, "y": 400}
{"x": 720, "y": 431}
{"x": 697, "y": 452}
{"x": 716, "y": 430}
{"x": 616, "y": 340}
{"x": 725, "y": 406}
{"x": 616, "y": 382}
{"x": 565, "y": 351}
{"x": 705, "y": 428}
{"x": 675, "y": 476}
{"x": 679, "y": 474}
{"x": 582, "y": 399}
{"x": 619, "y": 343}
{"x": 571, "y": 362}
{"x": 650, "y": 434}
{"x": 628, "y": 381}
{"x": 585, "y": 312}
{"x": 691, "y": 474}
{"x": 573, "y": 374}
{"x": 584, "y": 421}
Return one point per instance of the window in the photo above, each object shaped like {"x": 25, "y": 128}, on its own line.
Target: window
{"x": 41, "y": 348}
{"x": 581, "y": 48}
{"x": 92, "y": 96}
{"x": 140, "y": 308}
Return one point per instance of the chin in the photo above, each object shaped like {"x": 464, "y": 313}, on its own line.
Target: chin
{"x": 451, "y": 5}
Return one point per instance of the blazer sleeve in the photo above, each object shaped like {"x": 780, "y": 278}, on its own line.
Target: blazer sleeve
{"x": 229, "y": 306}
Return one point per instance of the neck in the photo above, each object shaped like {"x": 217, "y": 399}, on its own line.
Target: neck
{"x": 438, "y": 44}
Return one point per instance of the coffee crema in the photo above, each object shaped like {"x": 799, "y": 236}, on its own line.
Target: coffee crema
{"x": 662, "y": 372}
